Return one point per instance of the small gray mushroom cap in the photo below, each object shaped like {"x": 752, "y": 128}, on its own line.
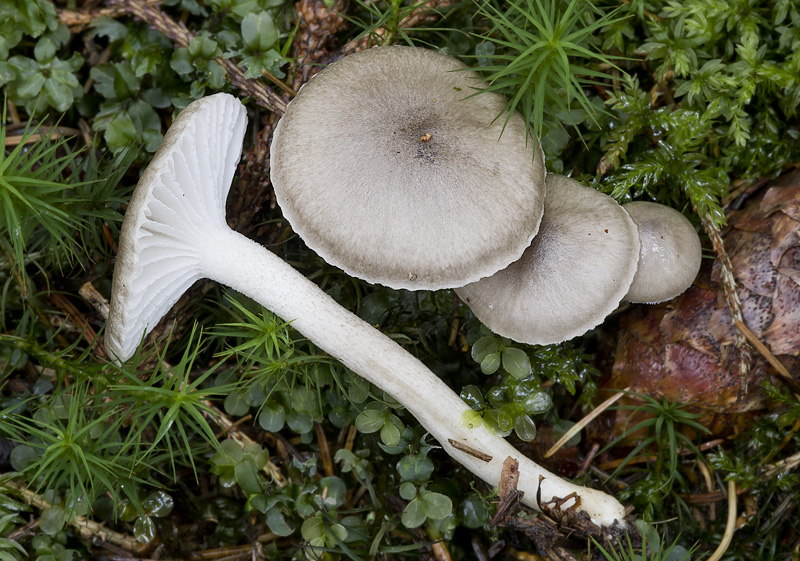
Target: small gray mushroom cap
{"x": 573, "y": 275}
{"x": 388, "y": 169}
{"x": 670, "y": 254}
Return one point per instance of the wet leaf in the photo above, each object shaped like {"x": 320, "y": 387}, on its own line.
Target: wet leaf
{"x": 435, "y": 505}
{"x": 516, "y": 362}
{"x": 414, "y": 514}
{"x": 158, "y": 504}
{"x": 272, "y": 417}
{"x": 144, "y": 529}
{"x": 52, "y": 520}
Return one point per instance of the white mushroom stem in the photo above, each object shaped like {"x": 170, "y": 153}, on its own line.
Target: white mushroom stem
{"x": 381, "y": 361}
{"x": 175, "y": 233}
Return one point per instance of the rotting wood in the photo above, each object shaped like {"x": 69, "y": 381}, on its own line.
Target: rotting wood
{"x": 687, "y": 350}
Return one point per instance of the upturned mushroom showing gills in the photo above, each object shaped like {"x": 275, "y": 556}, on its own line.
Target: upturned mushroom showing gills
{"x": 175, "y": 233}
{"x": 670, "y": 254}
{"x": 389, "y": 168}
{"x": 573, "y": 275}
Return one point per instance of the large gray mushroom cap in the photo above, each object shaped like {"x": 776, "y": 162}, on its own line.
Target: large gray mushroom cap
{"x": 573, "y": 275}
{"x": 387, "y": 168}
{"x": 670, "y": 254}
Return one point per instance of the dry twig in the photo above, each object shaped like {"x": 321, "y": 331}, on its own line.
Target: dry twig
{"x": 317, "y": 27}
{"x": 425, "y": 12}
{"x": 730, "y": 527}
{"x": 88, "y": 529}
{"x": 78, "y": 20}
{"x": 576, "y": 428}
{"x": 731, "y": 298}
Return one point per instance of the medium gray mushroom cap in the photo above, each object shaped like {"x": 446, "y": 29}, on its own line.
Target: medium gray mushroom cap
{"x": 573, "y": 275}
{"x": 387, "y": 168}
{"x": 670, "y": 254}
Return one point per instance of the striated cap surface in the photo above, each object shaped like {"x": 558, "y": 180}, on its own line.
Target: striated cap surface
{"x": 573, "y": 275}
{"x": 387, "y": 168}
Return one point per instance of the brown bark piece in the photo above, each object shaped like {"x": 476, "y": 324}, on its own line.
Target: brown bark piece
{"x": 507, "y": 492}
{"x": 686, "y": 349}
{"x": 509, "y": 478}
{"x": 782, "y": 197}
{"x": 783, "y": 335}
{"x": 784, "y": 237}
{"x": 315, "y": 37}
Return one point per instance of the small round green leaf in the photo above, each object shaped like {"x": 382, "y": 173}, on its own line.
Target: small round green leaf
{"x": 272, "y": 417}
{"x": 339, "y": 532}
{"x": 158, "y": 504}
{"x": 120, "y": 132}
{"x": 231, "y": 449}
{"x": 413, "y": 515}
{"x": 144, "y": 530}
{"x": 537, "y": 403}
{"x": 76, "y": 504}
{"x": 371, "y": 420}
{"x": 408, "y": 490}
{"x": 390, "y": 433}
{"x": 278, "y": 524}
{"x": 473, "y": 397}
{"x": 313, "y": 531}
{"x": 127, "y": 512}
{"x": 525, "y": 428}
{"x": 61, "y": 405}
{"x": 499, "y": 422}
{"x": 23, "y": 456}
{"x": 678, "y": 553}
{"x": 236, "y": 404}
{"x": 258, "y": 31}
{"x": 182, "y": 61}
{"x": 259, "y": 455}
{"x": 490, "y": 363}
{"x": 497, "y": 396}
{"x": 484, "y": 347}
{"x": 435, "y": 505}
{"x": 44, "y": 51}
{"x": 474, "y": 513}
{"x": 247, "y": 476}
{"x": 52, "y": 520}
{"x": 358, "y": 390}
{"x": 299, "y": 423}
{"x": 516, "y": 363}
{"x": 415, "y": 468}
{"x": 332, "y": 491}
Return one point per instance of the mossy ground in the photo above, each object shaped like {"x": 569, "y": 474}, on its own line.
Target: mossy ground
{"x": 233, "y": 437}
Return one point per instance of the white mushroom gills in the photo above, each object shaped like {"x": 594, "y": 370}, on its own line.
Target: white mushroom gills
{"x": 175, "y": 233}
